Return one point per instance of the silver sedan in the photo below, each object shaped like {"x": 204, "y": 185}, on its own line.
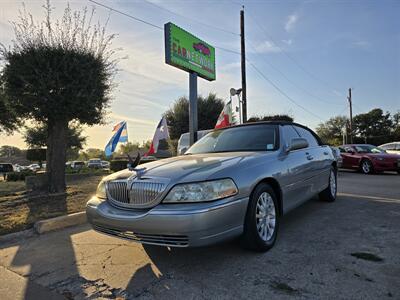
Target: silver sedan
{"x": 237, "y": 181}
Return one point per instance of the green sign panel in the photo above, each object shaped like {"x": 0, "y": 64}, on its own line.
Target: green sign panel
{"x": 187, "y": 52}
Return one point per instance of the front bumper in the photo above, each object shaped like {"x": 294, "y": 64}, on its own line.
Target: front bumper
{"x": 179, "y": 225}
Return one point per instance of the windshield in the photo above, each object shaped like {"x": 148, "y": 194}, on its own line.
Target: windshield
{"x": 261, "y": 137}
{"x": 368, "y": 149}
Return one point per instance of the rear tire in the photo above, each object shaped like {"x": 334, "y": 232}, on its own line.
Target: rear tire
{"x": 262, "y": 219}
{"x": 329, "y": 194}
{"x": 366, "y": 166}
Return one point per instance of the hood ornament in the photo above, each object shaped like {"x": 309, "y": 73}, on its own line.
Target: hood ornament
{"x": 133, "y": 164}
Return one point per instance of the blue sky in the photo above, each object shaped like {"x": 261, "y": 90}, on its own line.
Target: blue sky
{"x": 311, "y": 50}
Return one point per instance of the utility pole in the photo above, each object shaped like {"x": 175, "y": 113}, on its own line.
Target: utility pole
{"x": 243, "y": 66}
{"x": 351, "y": 116}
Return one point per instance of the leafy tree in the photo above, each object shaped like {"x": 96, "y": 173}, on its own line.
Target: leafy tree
{"x": 177, "y": 117}
{"x": 92, "y": 153}
{"x": 128, "y": 148}
{"x": 58, "y": 72}
{"x": 8, "y": 118}
{"x": 37, "y": 136}
{"x": 9, "y": 151}
{"x": 286, "y": 118}
{"x": 373, "y": 127}
{"x": 331, "y": 132}
{"x": 38, "y": 155}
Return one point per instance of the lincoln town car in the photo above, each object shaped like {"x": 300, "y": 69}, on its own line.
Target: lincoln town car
{"x": 236, "y": 182}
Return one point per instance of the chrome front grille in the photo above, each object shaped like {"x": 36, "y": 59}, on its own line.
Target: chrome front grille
{"x": 134, "y": 193}
{"x": 142, "y": 193}
{"x": 118, "y": 191}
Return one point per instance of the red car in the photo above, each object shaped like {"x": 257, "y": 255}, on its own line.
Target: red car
{"x": 368, "y": 158}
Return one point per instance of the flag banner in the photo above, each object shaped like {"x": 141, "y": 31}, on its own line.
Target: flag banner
{"x": 160, "y": 134}
{"x": 120, "y": 135}
{"x": 225, "y": 118}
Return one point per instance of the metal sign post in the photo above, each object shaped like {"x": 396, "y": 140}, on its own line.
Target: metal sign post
{"x": 193, "y": 107}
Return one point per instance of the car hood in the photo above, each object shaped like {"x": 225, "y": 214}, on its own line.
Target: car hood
{"x": 188, "y": 168}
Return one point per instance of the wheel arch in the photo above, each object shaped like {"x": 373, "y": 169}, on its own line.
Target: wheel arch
{"x": 277, "y": 189}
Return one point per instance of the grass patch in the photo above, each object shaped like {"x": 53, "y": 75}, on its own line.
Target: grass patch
{"x": 19, "y": 210}
{"x": 367, "y": 256}
{"x": 8, "y": 188}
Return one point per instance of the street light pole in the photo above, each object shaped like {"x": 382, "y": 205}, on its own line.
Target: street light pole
{"x": 243, "y": 65}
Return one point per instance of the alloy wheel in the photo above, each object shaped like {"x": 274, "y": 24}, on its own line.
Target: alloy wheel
{"x": 332, "y": 181}
{"x": 366, "y": 166}
{"x": 265, "y": 216}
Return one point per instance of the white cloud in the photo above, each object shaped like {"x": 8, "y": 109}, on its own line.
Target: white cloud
{"x": 291, "y": 22}
{"x": 288, "y": 42}
{"x": 267, "y": 47}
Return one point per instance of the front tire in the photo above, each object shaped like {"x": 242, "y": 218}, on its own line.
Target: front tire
{"x": 329, "y": 194}
{"x": 366, "y": 166}
{"x": 262, "y": 219}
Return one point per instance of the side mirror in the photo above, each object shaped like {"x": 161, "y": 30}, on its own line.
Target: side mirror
{"x": 297, "y": 143}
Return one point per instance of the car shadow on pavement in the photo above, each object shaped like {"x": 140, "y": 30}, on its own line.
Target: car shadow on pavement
{"x": 183, "y": 272}
{"x": 38, "y": 258}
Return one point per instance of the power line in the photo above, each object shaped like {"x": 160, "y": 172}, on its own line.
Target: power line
{"x": 300, "y": 66}
{"x": 127, "y": 15}
{"x": 281, "y": 91}
{"x": 191, "y": 19}
{"x": 153, "y": 25}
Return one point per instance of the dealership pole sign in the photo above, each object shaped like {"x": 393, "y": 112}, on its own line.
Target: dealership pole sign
{"x": 187, "y": 52}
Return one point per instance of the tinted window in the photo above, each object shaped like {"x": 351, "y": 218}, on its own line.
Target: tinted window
{"x": 306, "y": 134}
{"x": 398, "y": 146}
{"x": 289, "y": 133}
{"x": 243, "y": 138}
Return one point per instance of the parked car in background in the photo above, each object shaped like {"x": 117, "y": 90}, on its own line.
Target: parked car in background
{"x": 393, "y": 148}
{"x": 94, "y": 163}
{"x": 34, "y": 167}
{"x": 184, "y": 140}
{"x": 368, "y": 159}
{"x": 5, "y": 168}
{"x": 338, "y": 157}
{"x": 17, "y": 168}
{"x": 235, "y": 181}
{"x": 105, "y": 164}
{"x": 77, "y": 164}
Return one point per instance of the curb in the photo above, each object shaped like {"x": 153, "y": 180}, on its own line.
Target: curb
{"x": 60, "y": 222}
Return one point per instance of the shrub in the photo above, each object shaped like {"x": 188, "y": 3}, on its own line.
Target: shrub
{"x": 17, "y": 176}
{"x": 118, "y": 165}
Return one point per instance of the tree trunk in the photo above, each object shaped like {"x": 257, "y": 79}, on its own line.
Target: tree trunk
{"x": 56, "y": 155}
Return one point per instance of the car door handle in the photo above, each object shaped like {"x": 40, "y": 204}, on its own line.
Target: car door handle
{"x": 326, "y": 153}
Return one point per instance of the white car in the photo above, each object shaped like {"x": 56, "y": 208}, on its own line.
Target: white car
{"x": 77, "y": 164}
{"x": 184, "y": 142}
{"x": 393, "y": 148}
{"x": 105, "y": 164}
{"x": 94, "y": 163}
{"x": 34, "y": 167}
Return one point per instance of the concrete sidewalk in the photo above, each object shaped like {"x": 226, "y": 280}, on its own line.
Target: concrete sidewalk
{"x": 13, "y": 286}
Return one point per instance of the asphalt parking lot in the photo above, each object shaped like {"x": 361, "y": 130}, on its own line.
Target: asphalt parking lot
{"x": 348, "y": 249}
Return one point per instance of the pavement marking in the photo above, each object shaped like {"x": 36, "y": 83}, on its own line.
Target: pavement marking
{"x": 379, "y": 199}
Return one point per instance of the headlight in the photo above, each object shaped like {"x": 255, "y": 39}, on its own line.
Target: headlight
{"x": 101, "y": 190}
{"x": 201, "y": 191}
